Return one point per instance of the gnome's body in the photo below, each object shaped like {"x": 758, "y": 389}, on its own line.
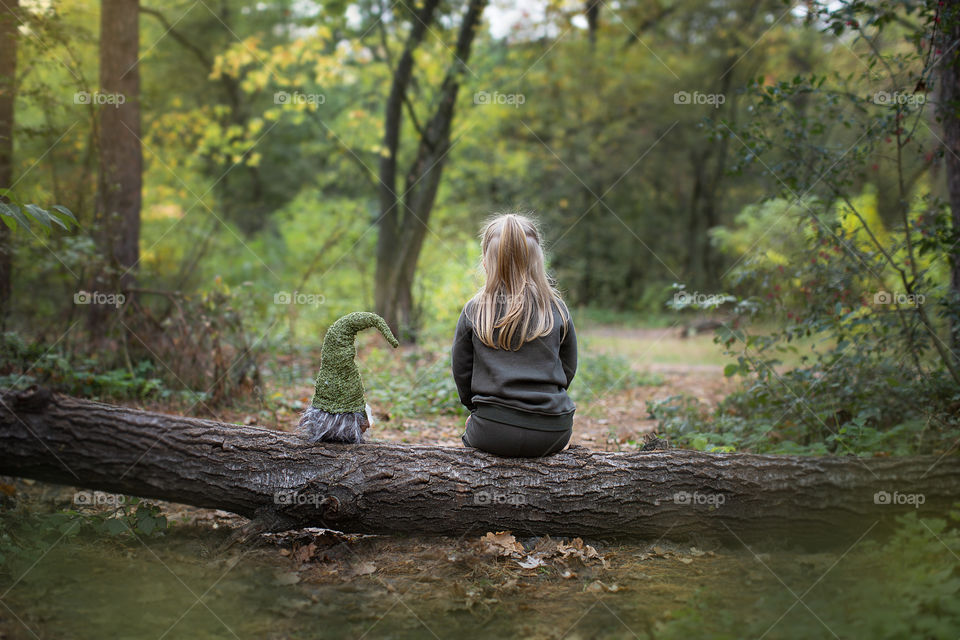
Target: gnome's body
{"x": 338, "y": 412}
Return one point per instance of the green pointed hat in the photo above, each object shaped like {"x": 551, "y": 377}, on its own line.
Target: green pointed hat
{"x": 339, "y": 388}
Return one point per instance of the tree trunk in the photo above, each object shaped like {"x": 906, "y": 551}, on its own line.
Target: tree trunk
{"x": 391, "y": 203}
{"x": 283, "y": 482}
{"x": 121, "y": 160}
{"x": 8, "y": 93}
{"x": 949, "y": 113}
{"x": 404, "y": 218}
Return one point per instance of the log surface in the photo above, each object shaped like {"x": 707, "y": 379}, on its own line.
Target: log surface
{"x": 282, "y": 482}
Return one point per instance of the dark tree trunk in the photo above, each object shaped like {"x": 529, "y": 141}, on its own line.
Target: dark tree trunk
{"x": 592, "y": 11}
{"x": 8, "y": 94}
{"x": 121, "y": 160}
{"x": 404, "y": 217}
{"x": 283, "y": 482}
{"x": 949, "y": 113}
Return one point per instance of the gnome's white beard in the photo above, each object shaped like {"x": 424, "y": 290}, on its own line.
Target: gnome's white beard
{"x": 317, "y": 425}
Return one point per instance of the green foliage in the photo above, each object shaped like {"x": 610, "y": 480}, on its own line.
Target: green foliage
{"x": 863, "y": 408}
{"x": 860, "y": 269}
{"x": 601, "y": 374}
{"x": 14, "y": 213}
{"x": 26, "y": 536}
{"x": 22, "y": 365}
{"x": 420, "y": 384}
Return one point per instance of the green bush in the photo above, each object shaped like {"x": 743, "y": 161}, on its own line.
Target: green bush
{"x": 24, "y": 365}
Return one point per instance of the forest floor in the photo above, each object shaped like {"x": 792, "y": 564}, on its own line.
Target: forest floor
{"x": 314, "y": 583}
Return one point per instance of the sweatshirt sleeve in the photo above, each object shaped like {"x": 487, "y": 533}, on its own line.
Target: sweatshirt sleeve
{"x": 568, "y": 352}
{"x": 462, "y": 360}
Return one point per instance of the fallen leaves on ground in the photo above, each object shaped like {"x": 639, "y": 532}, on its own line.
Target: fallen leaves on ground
{"x": 501, "y": 543}
{"x": 504, "y": 544}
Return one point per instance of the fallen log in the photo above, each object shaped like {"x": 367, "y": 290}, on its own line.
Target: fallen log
{"x": 281, "y": 482}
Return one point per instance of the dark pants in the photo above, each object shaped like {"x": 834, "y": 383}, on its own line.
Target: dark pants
{"x": 511, "y": 441}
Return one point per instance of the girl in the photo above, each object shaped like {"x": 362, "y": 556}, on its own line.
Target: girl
{"x": 515, "y": 350}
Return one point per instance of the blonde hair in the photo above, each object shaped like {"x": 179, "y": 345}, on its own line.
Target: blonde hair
{"x": 515, "y": 304}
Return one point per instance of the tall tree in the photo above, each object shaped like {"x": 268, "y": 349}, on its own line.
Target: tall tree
{"x": 8, "y": 73}
{"x": 404, "y": 216}
{"x": 121, "y": 159}
{"x": 950, "y": 120}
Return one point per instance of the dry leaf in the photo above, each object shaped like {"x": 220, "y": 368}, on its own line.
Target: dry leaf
{"x": 577, "y": 549}
{"x": 502, "y": 543}
{"x": 530, "y": 562}
{"x": 598, "y": 587}
{"x": 305, "y": 553}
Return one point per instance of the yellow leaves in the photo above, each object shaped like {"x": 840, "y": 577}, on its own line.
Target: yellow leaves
{"x": 163, "y": 211}
{"x": 283, "y": 56}
{"x": 258, "y": 79}
{"x": 255, "y": 126}
{"x": 236, "y": 58}
{"x": 776, "y": 257}
{"x": 863, "y": 206}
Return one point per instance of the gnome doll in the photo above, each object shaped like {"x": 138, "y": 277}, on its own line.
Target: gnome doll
{"x": 338, "y": 412}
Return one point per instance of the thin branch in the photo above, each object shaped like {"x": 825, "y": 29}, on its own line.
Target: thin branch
{"x": 179, "y": 37}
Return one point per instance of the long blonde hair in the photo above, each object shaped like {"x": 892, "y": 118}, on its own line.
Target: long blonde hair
{"x": 516, "y": 303}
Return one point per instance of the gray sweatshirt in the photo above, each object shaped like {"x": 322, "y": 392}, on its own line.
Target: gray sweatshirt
{"x": 526, "y": 387}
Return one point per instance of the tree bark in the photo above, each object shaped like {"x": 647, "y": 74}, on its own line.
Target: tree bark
{"x": 283, "y": 482}
{"x": 121, "y": 158}
{"x": 8, "y": 77}
{"x": 949, "y": 115}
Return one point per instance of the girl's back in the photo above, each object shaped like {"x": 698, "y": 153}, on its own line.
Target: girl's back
{"x": 515, "y": 349}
